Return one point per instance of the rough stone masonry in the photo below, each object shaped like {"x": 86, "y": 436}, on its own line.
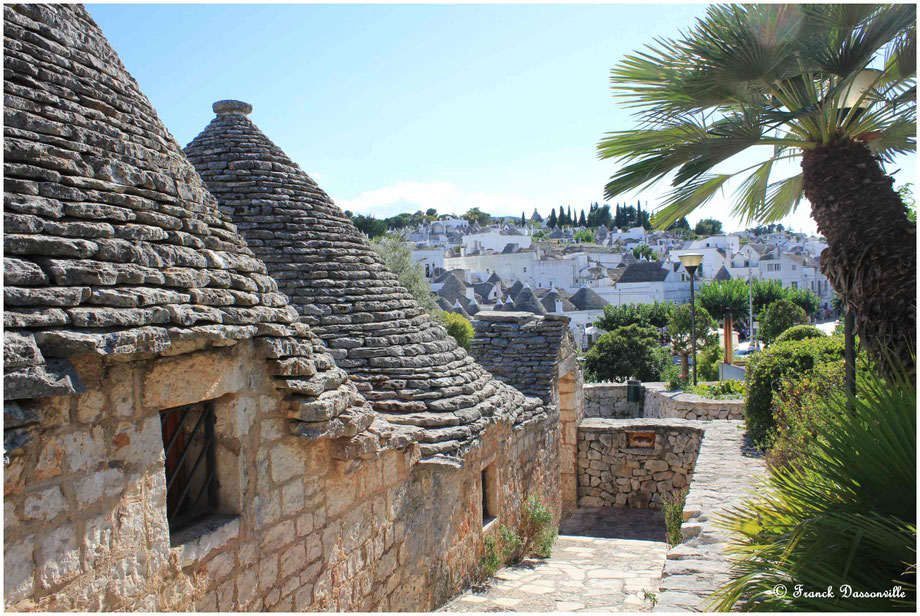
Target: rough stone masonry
{"x": 349, "y": 441}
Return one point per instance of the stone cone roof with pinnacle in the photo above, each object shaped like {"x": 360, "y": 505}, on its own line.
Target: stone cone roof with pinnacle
{"x": 404, "y": 363}
{"x": 113, "y": 245}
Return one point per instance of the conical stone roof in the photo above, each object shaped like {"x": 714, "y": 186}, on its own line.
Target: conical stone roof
{"x": 405, "y": 364}
{"x": 527, "y": 302}
{"x": 112, "y": 243}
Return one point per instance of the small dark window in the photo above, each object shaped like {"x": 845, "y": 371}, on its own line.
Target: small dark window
{"x": 489, "y": 493}
{"x": 191, "y": 465}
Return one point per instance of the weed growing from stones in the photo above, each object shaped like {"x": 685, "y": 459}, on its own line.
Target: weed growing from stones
{"x": 673, "y": 508}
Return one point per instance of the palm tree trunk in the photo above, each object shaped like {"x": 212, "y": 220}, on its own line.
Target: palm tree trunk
{"x": 871, "y": 255}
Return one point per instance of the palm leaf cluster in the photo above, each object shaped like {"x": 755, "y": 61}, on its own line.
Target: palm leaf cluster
{"x": 844, "y": 516}
{"x": 785, "y": 76}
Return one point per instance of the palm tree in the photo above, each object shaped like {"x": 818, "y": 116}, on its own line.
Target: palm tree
{"x": 795, "y": 78}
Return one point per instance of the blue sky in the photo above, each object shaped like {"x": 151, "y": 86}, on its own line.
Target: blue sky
{"x": 396, "y": 108}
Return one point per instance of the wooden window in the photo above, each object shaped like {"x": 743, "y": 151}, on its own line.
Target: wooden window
{"x": 191, "y": 466}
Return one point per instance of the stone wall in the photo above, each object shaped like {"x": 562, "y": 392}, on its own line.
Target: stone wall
{"x": 662, "y": 403}
{"x": 608, "y": 400}
{"x": 634, "y": 463}
{"x": 301, "y": 525}
{"x": 536, "y": 354}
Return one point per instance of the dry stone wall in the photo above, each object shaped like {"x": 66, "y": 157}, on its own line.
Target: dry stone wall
{"x": 608, "y": 400}
{"x": 634, "y": 463}
{"x": 665, "y": 404}
{"x": 536, "y": 354}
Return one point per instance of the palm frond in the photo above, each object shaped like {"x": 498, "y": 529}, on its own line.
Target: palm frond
{"x": 686, "y": 198}
{"x": 843, "y": 516}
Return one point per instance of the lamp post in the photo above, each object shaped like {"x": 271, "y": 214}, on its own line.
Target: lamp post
{"x": 691, "y": 262}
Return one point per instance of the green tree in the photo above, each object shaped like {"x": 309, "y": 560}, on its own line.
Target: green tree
{"x": 794, "y": 78}
{"x": 584, "y": 237}
{"x": 682, "y": 334}
{"x": 719, "y": 297}
{"x": 431, "y": 213}
{"x": 582, "y": 221}
{"x": 778, "y": 317}
{"x": 708, "y": 226}
{"x": 654, "y": 314}
{"x": 644, "y": 250}
{"x": 627, "y": 352}
{"x": 397, "y": 255}
{"x": 552, "y": 221}
{"x": 370, "y": 226}
{"x": 474, "y": 215}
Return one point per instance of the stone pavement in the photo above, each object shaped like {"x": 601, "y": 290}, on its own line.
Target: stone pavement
{"x": 604, "y": 561}
{"x": 725, "y": 470}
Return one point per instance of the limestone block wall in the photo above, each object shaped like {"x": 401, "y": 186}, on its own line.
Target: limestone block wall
{"x": 536, "y": 354}
{"x": 662, "y": 403}
{"x": 302, "y": 524}
{"x": 608, "y": 400}
{"x": 634, "y": 463}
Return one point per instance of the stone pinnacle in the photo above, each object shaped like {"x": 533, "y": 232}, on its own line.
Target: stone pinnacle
{"x": 232, "y": 106}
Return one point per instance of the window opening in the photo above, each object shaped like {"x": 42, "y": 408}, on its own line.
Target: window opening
{"x": 189, "y": 442}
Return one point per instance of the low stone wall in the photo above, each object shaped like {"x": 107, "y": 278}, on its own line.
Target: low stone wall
{"x": 634, "y": 463}
{"x": 608, "y": 400}
{"x": 661, "y": 403}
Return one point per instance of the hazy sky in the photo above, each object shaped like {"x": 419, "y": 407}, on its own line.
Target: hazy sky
{"x": 406, "y": 107}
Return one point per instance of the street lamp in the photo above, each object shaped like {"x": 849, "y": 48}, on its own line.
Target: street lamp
{"x": 691, "y": 261}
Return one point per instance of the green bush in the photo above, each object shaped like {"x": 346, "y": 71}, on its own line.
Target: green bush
{"x": 843, "y": 516}
{"x": 800, "y": 332}
{"x": 491, "y": 561}
{"x": 673, "y": 508}
{"x": 766, "y": 370}
{"x": 460, "y": 328}
{"x": 628, "y": 352}
{"x": 538, "y": 533}
{"x": 801, "y": 415}
{"x": 720, "y": 390}
{"x": 778, "y": 317}
{"x": 707, "y": 359}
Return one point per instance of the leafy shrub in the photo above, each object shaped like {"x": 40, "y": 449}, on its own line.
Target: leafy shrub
{"x": 766, "y": 370}
{"x": 800, "y": 332}
{"x": 628, "y": 352}
{"x": 673, "y": 508}
{"x": 708, "y": 362}
{"x": 801, "y": 415}
{"x": 720, "y": 390}
{"x": 584, "y": 237}
{"x": 460, "y": 328}
{"x": 490, "y": 562}
{"x": 778, "y": 317}
{"x": 846, "y": 515}
{"x": 675, "y": 379}
{"x": 538, "y": 533}
{"x": 510, "y": 541}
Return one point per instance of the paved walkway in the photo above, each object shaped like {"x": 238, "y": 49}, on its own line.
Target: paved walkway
{"x": 616, "y": 560}
{"x": 726, "y": 470}
{"x": 605, "y": 560}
